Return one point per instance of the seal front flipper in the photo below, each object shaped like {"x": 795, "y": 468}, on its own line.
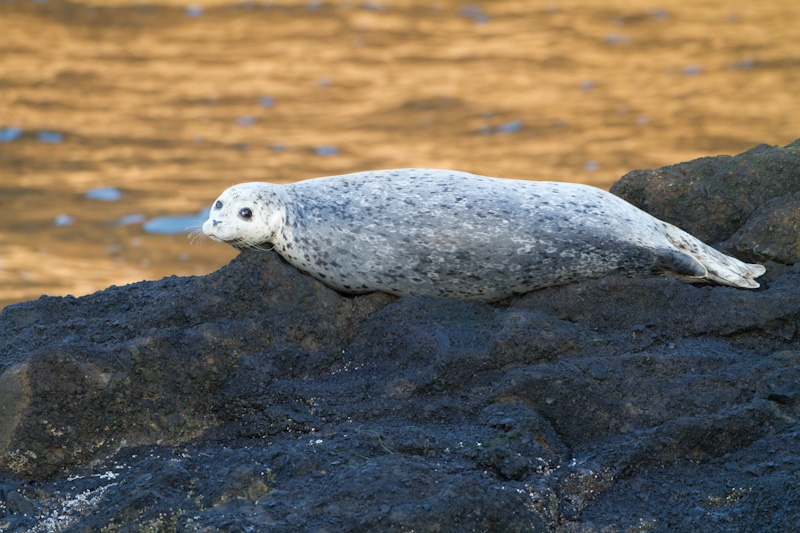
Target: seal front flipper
{"x": 679, "y": 263}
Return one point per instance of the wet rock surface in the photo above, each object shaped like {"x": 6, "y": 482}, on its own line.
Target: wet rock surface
{"x": 256, "y": 399}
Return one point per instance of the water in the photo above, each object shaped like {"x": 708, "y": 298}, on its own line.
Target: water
{"x": 120, "y": 121}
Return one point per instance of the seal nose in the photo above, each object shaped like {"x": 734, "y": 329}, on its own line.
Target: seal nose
{"x": 214, "y": 223}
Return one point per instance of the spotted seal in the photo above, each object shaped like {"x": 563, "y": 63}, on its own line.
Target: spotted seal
{"x": 459, "y": 235}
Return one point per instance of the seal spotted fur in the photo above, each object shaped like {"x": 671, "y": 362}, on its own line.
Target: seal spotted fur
{"x": 459, "y": 235}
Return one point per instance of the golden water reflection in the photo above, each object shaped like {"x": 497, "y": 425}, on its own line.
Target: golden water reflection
{"x": 170, "y": 102}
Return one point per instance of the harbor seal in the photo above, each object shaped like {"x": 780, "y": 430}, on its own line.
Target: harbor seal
{"x": 459, "y": 235}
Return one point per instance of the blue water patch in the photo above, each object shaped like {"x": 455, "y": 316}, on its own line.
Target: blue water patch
{"x": 373, "y": 6}
{"x": 510, "y": 127}
{"x": 176, "y": 224}
{"x": 659, "y": 14}
{"x": 266, "y": 101}
{"x": 591, "y": 166}
{"x": 63, "y": 220}
{"x": 587, "y": 85}
{"x": 52, "y": 137}
{"x": 692, "y": 70}
{"x": 475, "y": 13}
{"x": 246, "y": 121}
{"x": 278, "y": 147}
{"x": 9, "y": 134}
{"x": 129, "y": 220}
{"x": 326, "y": 150}
{"x": 313, "y": 5}
{"x": 618, "y": 38}
{"x": 105, "y": 194}
{"x": 195, "y": 11}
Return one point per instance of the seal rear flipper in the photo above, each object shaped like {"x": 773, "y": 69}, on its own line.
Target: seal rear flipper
{"x": 720, "y": 268}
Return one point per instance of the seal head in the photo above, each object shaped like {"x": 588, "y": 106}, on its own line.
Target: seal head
{"x": 245, "y": 216}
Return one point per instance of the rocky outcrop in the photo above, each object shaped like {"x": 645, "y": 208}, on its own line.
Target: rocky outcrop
{"x": 772, "y": 233}
{"x": 256, "y": 399}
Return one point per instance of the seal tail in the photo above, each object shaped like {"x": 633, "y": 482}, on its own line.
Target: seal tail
{"x": 710, "y": 264}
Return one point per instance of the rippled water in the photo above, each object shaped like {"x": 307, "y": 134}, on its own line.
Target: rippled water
{"x": 120, "y": 122}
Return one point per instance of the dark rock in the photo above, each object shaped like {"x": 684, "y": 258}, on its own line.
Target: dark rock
{"x": 150, "y": 371}
{"x": 772, "y": 233}
{"x": 17, "y": 504}
{"x": 256, "y": 399}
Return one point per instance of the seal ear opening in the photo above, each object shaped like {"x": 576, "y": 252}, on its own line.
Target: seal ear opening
{"x": 680, "y": 263}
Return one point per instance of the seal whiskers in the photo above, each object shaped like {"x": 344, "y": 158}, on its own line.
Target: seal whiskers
{"x": 197, "y": 237}
{"x": 244, "y": 245}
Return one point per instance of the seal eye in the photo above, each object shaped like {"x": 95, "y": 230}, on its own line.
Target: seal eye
{"x": 218, "y": 205}
{"x": 245, "y": 213}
